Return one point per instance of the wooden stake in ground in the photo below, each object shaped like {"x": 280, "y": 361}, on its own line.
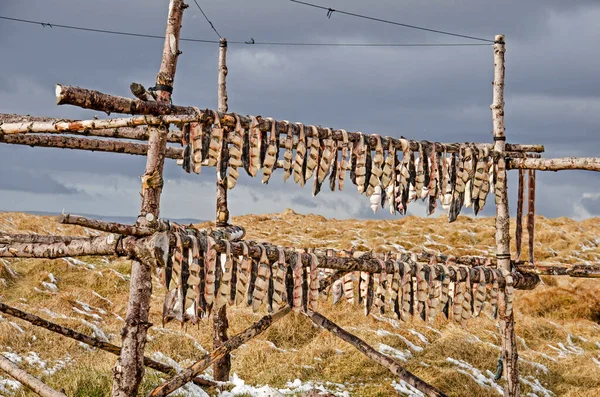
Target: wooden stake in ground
{"x": 220, "y": 323}
{"x": 519, "y": 224}
{"x": 507, "y": 330}
{"x": 28, "y": 380}
{"x": 236, "y": 341}
{"x": 531, "y": 213}
{"x": 374, "y": 355}
{"x": 129, "y": 369}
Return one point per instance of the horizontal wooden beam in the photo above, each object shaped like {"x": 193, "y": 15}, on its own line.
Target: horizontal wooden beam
{"x": 37, "y": 238}
{"x": 113, "y": 227}
{"x": 90, "y": 99}
{"x": 90, "y": 340}
{"x": 38, "y": 387}
{"x": 555, "y": 164}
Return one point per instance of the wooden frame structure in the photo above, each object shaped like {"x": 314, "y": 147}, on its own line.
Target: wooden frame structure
{"x": 150, "y": 241}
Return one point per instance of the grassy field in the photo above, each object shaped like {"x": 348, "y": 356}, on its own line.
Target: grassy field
{"x": 557, "y": 324}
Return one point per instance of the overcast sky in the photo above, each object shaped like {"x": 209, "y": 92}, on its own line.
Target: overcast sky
{"x": 438, "y": 94}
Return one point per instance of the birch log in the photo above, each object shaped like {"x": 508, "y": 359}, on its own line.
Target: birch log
{"x": 507, "y": 331}
{"x": 102, "y": 245}
{"x": 222, "y": 365}
{"x": 112, "y": 227}
{"x": 392, "y": 365}
{"x": 37, "y": 239}
{"x": 555, "y": 164}
{"x": 140, "y": 92}
{"x": 38, "y": 387}
{"x": 236, "y": 341}
{"x": 531, "y": 214}
{"x": 519, "y": 221}
{"x": 129, "y": 369}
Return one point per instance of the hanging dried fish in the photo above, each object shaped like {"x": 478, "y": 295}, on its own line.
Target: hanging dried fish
{"x": 348, "y": 280}
{"x": 313, "y": 294}
{"x": 236, "y": 138}
{"x": 337, "y": 290}
{"x": 360, "y": 168}
{"x": 407, "y": 291}
{"x": 255, "y": 148}
{"x": 186, "y": 160}
{"x": 262, "y": 280}
{"x": 445, "y": 301}
{"x": 380, "y": 281}
{"x": 173, "y": 303}
{"x": 287, "y": 154}
{"x": 313, "y": 155}
{"x": 425, "y": 155}
{"x": 319, "y": 156}
{"x": 192, "y": 297}
{"x": 226, "y": 263}
{"x": 459, "y": 188}
{"x": 500, "y": 183}
{"x": 434, "y": 176}
{"x": 210, "y": 269}
{"x": 389, "y": 167}
{"x": 420, "y": 171}
{"x": 244, "y": 269}
{"x": 394, "y": 289}
{"x": 375, "y": 198}
{"x": 403, "y": 177}
{"x": 298, "y": 280}
{"x": 460, "y": 290}
{"x": 278, "y": 271}
{"x": 376, "y": 167}
{"x": 508, "y": 293}
{"x": 300, "y": 160}
{"x": 485, "y": 184}
{"x": 435, "y": 292}
{"x": 272, "y": 152}
{"x": 494, "y": 293}
{"x": 479, "y": 295}
{"x": 492, "y": 175}
{"x": 326, "y": 156}
{"x": 422, "y": 290}
{"x": 467, "y": 303}
{"x": 196, "y": 137}
{"x": 478, "y": 180}
{"x": 334, "y": 165}
{"x": 216, "y": 141}
{"x": 344, "y": 164}
{"x": 469, "y": 172}
{"x": 365, "y": 280}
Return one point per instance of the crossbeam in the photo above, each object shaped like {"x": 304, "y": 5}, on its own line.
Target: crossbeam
{"x": 555, "y": 164}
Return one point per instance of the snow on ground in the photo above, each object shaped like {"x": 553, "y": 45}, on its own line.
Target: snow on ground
{"x": 96, "y": 331}
{"x": 411, "y": 346}
{"x": 484, "y": 380}
{"x": 8, "y": 387}
{"x": 74, "y": 262}
{"x": 292, "y": 388}
{"x": 395, "y": 353}
{"x": 419, "y": 335}
{"x": 536, "y": 387}
{"x": 406, "y": 390}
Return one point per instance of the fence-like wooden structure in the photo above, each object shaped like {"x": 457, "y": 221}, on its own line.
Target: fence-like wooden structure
{"x": 205, "y": 270}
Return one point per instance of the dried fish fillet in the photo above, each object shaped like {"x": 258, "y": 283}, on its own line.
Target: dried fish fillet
{"x": 300, "y": 160}
{"x": 262, "y": 280}
{"x": 344, "y": 162}
{"x": 287, "y": 154}
{"x": 272, "y": 153}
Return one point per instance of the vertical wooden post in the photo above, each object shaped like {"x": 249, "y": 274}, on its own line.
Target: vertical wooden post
{"x": 129, "y": 369}
{"x": 507, "y": 326}
{"x": 222, "y": 366}
{"x": 531, "y": 213}
{"x": 519, "y": 223}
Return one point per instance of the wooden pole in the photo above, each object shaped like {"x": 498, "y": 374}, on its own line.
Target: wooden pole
{"x": 90, "y": 340}
{"x": 519, "y": 223}
{"x": 392, "y": 365}
{"x": 555, "y": 164}
{"x": 38, "y": 387}
{"x": 222, "y": 366}
{"x": 507, "y": 330}
{"x": 236, "y": 341}
{"x": 129, "y": 369}
{"x": 112, "y": 227}
{"x": 531, "y": 214}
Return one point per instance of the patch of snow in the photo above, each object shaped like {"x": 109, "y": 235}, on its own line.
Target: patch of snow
{"x": 423, "y": 363}
{"x": 163, "y": 358}
{"x": 411, "y": 346}
{"x": 274, "y": 346}
{"x": 419, "y": 335}
{"x": 407, "y": 390}
{"x": 16, "y": 326}
{"x": 74, "y": 262}
{"x": 59, "y": 365}
{"x": 34, "y": 360}
{"x": 297, "y": 386}
{"x": 240, "y": 387}
{"x": 8, "y": 387}
{"x": 120, "y": 275}
{"x": 596, "y": 361}
{"x": 437, "y": 331}
{"x": 96, "y": 331}
{"x": 53, "y": 314}
{"x": 86, "y": 347}
{"x": 395, "y": 353}
{"x": 536, "y": 386}
{"x": 475, "y": 374}
{"x": 537, "y": 366}
{"x": 101, "y": 297}
{"x": 84, "y": 313}
{"x": 89, "y": 308}
{"x": 49, "y": 286}
{"x": 52, "y": 279}
{"x": 14, "y": 357}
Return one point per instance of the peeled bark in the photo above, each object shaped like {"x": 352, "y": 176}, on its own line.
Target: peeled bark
{"x": 102, "y": 245}
{"x": 111, "y": 227}
{"x": 392, "y": 365}
{"x": 507, "y": 331}
{"x": 94, "y": 145}
{"x": 555, "y": 164}
{"x": 28, "y": 380}
{"x": 37, "y": 239}
{"x": 236, "y": 341}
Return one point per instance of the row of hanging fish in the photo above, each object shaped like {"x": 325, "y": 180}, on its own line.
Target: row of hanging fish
{"x": 200, "y": 280}
{"x": 391, "y": 176}
{"x": 421, "y": 290}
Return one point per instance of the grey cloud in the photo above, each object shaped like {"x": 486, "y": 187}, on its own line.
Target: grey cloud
{"x": 25, "y": 180}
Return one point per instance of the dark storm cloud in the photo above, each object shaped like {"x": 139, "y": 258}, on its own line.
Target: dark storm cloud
{"x": 26, "y": 180}
{"x": 443, "y": 94}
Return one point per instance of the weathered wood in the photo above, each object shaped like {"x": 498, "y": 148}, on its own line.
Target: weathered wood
{"x": 38, "y": 387}
{"x": 531, "y": 214}
{"x": 94, "y": 145}
{"x": 555, "y": 164}
{"x": 140, "y": 92}
{"x": 102, "y": 245}
{"x": 507, "y": 331}
{"x": 519, "y": 221}
{"x": 592, "y": 271}
{"x": 392, "y": 365}
{"x": 129, "y": 369}
{"x": 96, "y": 100}
{"x": 113, "y": 227}
{"x": 233, "y": 343}
{"x": 37, "y": 238}
{"x": 222, "y": 366}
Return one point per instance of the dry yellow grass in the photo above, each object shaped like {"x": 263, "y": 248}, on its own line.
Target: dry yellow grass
{"x": 557, "y": 323}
